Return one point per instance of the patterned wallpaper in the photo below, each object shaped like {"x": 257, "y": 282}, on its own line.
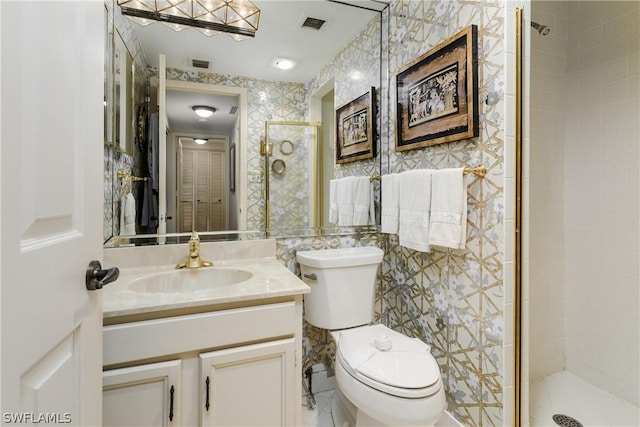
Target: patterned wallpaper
{"x": 453, "y": 299}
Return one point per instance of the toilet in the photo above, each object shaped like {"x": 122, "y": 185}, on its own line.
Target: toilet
{"x": 384, "y": 378}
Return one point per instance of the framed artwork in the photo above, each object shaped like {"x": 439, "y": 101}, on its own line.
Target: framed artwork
{"x": 437, "y": 94}
{"x": 355, "y": 129}
{"x": 232, "y": 168}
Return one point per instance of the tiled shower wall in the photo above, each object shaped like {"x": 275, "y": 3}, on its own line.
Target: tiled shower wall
{"x": 584, "y": 156}
{"x": 602, "y": 181}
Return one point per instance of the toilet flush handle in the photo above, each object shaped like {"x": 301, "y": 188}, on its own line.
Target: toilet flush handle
{"x": 311, "y": 276}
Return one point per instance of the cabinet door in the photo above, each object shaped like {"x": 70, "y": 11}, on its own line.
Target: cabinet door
{"x": 250, "y": 385}
{"x": 144, "y": 395}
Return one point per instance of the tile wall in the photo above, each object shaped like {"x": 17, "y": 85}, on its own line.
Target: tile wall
{"x": 602, "y": 180}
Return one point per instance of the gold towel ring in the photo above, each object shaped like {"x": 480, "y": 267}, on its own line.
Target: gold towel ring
{"x": 278, "y": 166}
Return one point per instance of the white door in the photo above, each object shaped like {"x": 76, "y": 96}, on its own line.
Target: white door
{"x": 51, "y": 177}
{"x": 142, "y": 395}
{"x": 252, "y": 385}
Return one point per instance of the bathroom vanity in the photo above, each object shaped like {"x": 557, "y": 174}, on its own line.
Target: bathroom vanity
{"x": 218, "y": 345}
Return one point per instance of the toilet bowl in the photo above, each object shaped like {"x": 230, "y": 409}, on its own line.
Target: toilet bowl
{"x": 397, "y": 386}
{"x": 384, "y": 378}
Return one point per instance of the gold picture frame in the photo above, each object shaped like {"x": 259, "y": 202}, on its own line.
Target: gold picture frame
{"x": 355, "y": 129}
{"x": 437, "y": 94}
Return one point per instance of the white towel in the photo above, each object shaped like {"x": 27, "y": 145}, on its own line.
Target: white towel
{"x": 345, "y": 197}
{"x": 448, "y": 225}
{"x": 415, "y": 205}
{"x": 390, "y": 188}
{"x": 362, "y": 200}
{"x": 128, "y": 215}
{"x": 333, "y": 201}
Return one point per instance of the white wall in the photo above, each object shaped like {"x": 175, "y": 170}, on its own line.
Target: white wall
{"x": 585, "y": 193}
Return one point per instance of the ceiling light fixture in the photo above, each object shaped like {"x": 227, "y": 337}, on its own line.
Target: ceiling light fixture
{"x": 283, "y": 63}
{"x": 200, "y": 141}
{"x": 237, "y": 18}
{"x": 203, "y": 111}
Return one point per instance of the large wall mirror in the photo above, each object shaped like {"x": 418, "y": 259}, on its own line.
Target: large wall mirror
{"x": 213, "y": 173}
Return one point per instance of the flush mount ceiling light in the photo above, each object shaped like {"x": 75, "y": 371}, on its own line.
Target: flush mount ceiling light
{"x": 203, "y": 111}
{"x": 283, "y": 63}
{"x": 237, "y": 18}
{"x": 200, "y": 141}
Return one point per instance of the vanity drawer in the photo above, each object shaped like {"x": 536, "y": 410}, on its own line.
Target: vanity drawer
{"x": 146, "y": 339}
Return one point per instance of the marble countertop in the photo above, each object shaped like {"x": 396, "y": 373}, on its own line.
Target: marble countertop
{"x": 271, "y": 279}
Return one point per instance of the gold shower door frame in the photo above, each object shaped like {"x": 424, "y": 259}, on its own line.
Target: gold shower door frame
{"x": 518, "y": 259}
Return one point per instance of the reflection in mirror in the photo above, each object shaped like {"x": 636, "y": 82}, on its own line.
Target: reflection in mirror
{"x": 124, "y": 87}
{"x": 292, "y": 200}
{"x": 335, "y": 65}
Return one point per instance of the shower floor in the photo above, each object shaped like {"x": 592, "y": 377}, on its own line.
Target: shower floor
{"x": 565, "y": 393}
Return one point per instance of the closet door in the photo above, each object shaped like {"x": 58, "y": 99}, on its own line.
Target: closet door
{"x": 202, "y": 191}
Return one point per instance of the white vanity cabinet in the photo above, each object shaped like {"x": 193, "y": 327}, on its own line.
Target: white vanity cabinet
{"x": 244, "y": 386}
{"x": 142, "y": 395}
{"x": 230, "y": 366}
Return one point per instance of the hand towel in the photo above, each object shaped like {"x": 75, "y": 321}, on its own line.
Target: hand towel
{"x": 390, "y": 190}
{"x": 333, "y": 201}
{"x": 414, "y": 206}
{"x": 362, "y": 200}
{"x": 448, "y": 225}
{"x": 346, "y": 189}
{"x": 128, "y": 216}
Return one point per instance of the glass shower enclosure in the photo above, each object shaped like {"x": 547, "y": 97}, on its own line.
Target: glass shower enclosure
{"x": 293, "y": 176}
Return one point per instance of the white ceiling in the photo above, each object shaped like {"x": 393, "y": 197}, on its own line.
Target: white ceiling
{"x": 279, "y": 35}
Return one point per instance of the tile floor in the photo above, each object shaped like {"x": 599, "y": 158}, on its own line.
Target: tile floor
{"x": 564, "y": 393}
{"x": 320, "y": 415}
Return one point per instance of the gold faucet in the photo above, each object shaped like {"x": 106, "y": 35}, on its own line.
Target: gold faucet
{"x": 194, "y": 260}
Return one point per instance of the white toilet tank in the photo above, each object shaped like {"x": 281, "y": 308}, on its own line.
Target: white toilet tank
{"x": 342, "y": 283}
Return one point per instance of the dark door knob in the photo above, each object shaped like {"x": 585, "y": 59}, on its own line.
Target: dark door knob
{"x": 96, "y": 277}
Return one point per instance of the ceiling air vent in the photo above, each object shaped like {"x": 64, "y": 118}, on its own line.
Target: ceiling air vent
{"x": 199, "y": 63}
{"x": 233, "y": 110}
{"x": 314, "y": 23}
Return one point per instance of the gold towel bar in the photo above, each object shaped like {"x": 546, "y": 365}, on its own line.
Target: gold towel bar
{"x": 480, "y": 171}
{"x": 125, "y": 175}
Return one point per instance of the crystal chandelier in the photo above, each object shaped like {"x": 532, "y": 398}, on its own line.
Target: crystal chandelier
{"x": 237, "y": 18}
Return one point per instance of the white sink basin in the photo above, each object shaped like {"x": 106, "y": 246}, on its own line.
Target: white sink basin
{"x": 190, "y": 280}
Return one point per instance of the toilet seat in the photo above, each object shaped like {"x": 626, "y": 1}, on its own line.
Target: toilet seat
{"x": 407, "y": 369}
